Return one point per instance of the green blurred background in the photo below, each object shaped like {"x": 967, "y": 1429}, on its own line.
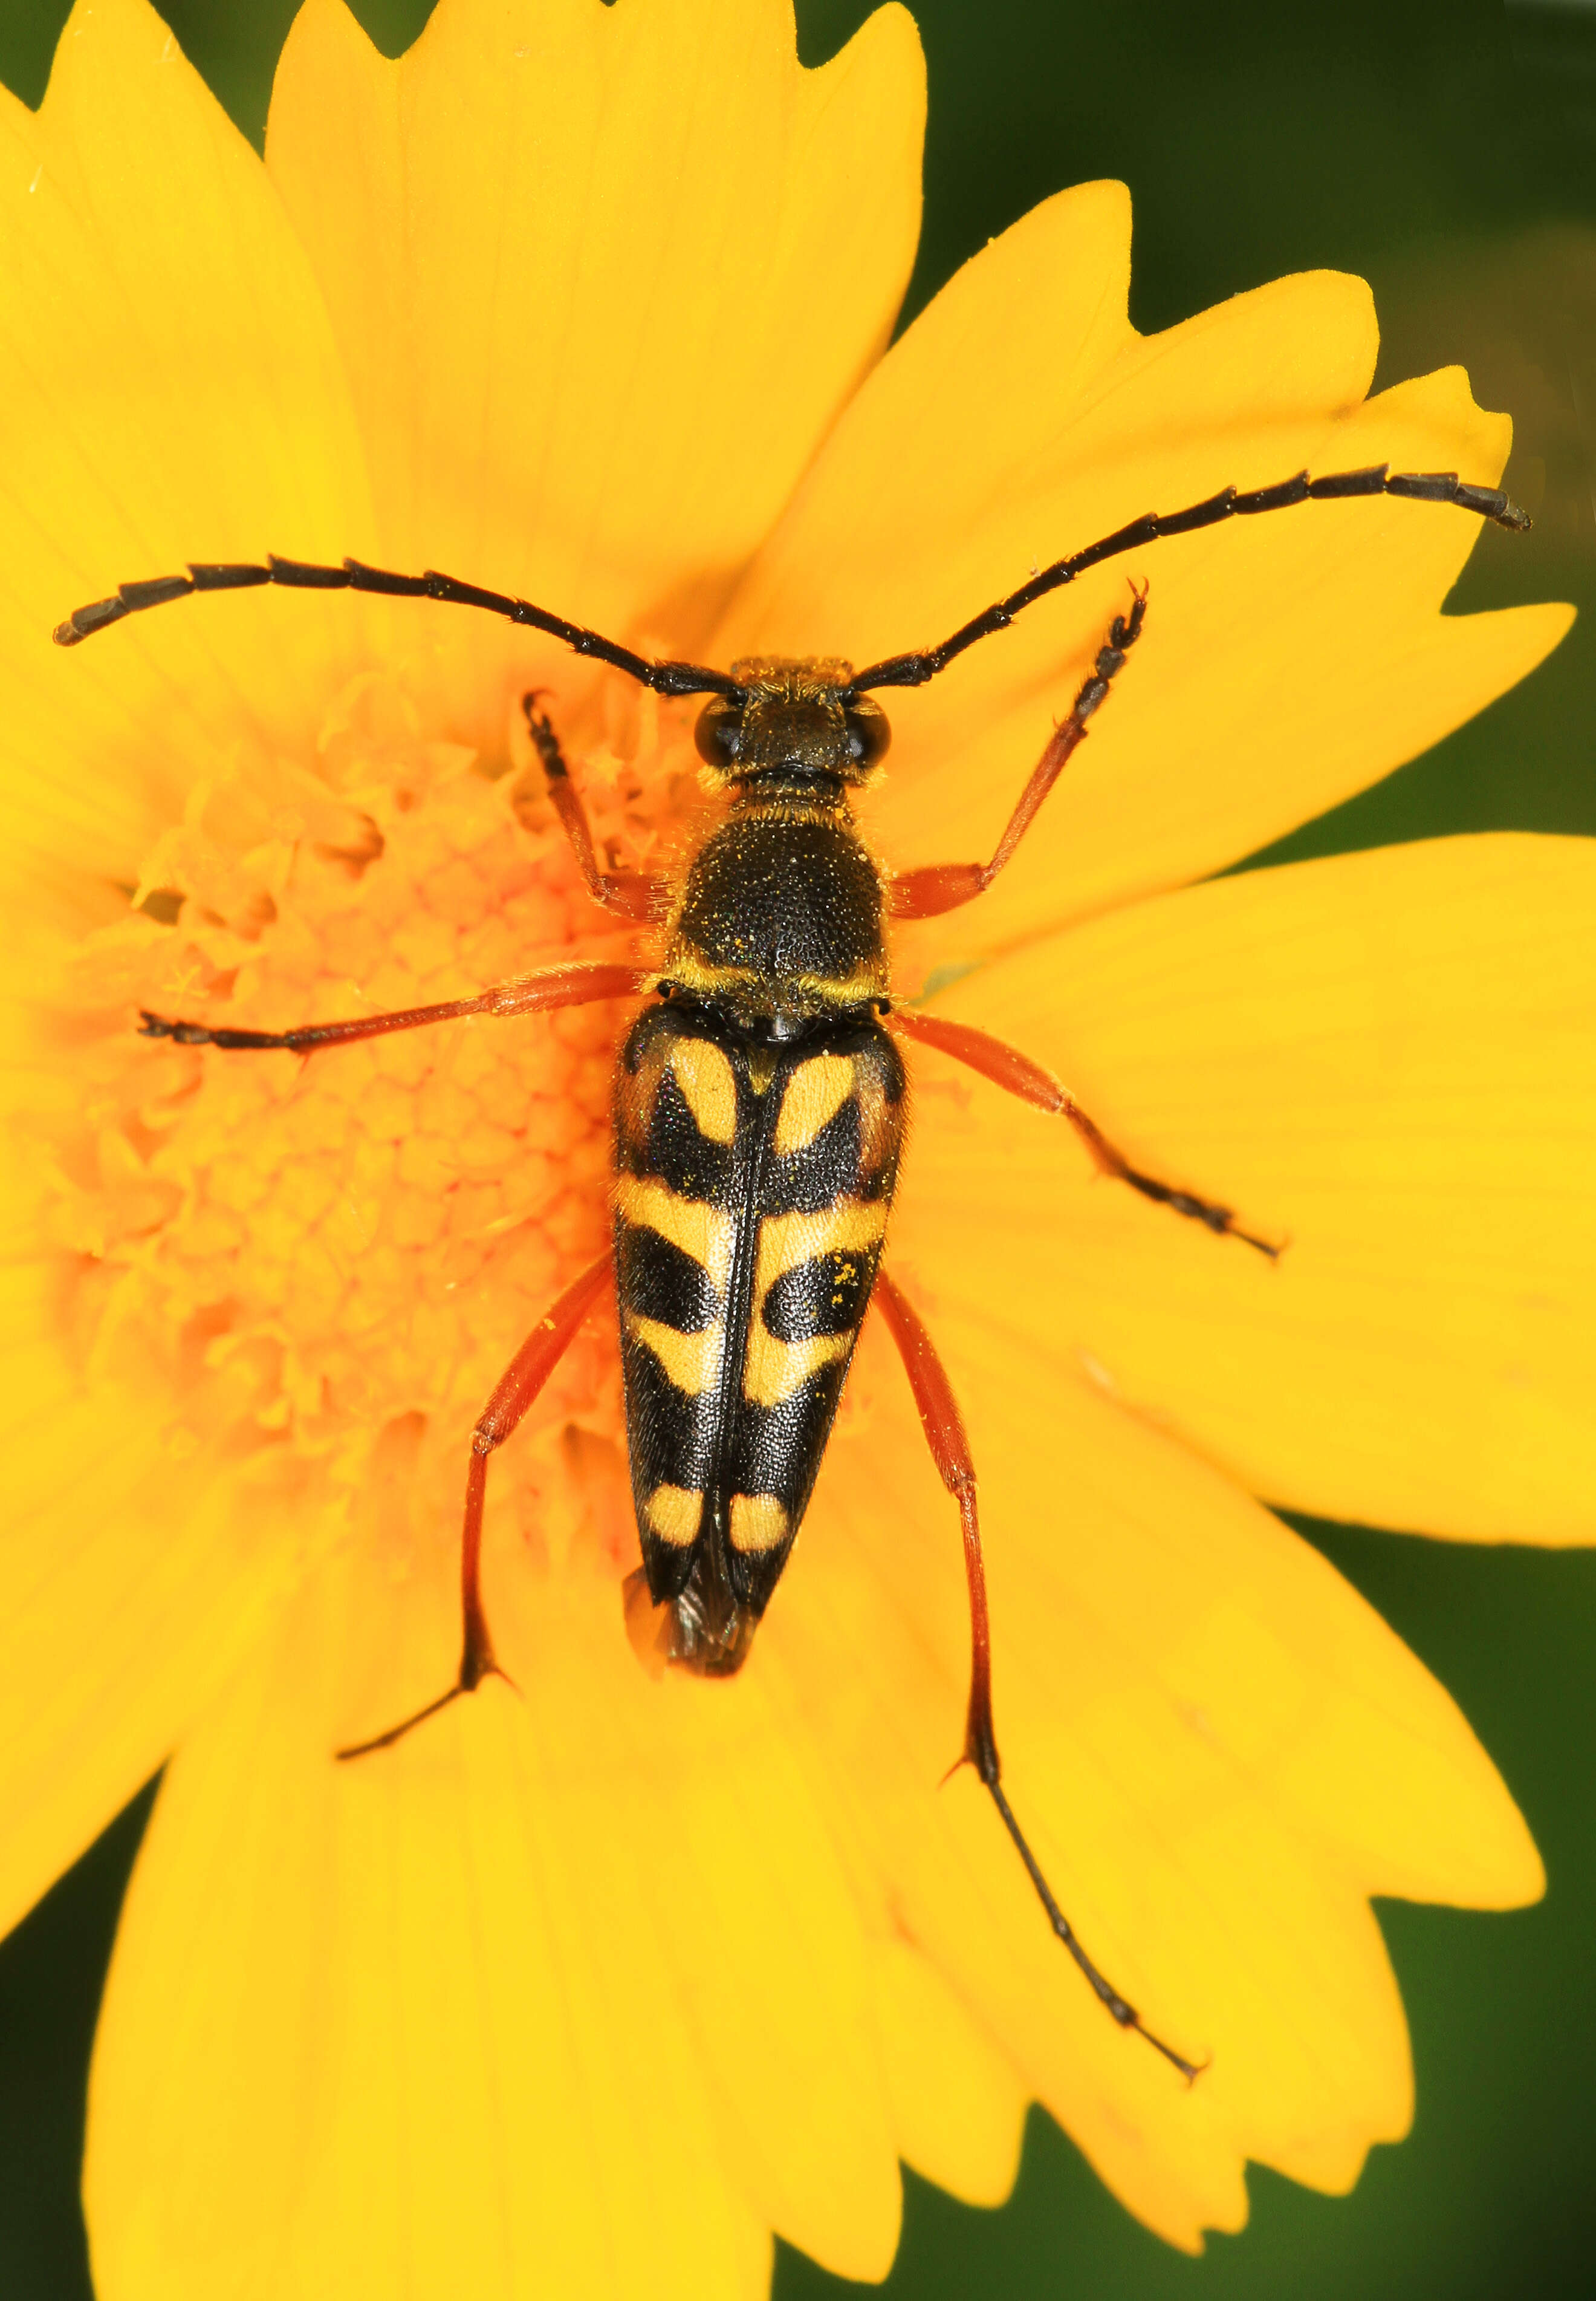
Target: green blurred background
{"x": 1445, "y": 149}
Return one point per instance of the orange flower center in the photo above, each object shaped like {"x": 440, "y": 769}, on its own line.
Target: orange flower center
{"x": 276, "y": 1251}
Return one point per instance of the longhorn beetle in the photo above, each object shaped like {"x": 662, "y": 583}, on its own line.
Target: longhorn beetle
{"x": 759, "y": 1106}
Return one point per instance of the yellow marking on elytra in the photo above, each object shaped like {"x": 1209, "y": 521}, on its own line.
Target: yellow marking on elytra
{"x": 706, "y": 1233}
{"x": 815, "y": 1092}
{"x": 846, "y": 1226}
{"x": 709, "y": 1087}
{"x": 773, "y": 1370}
{"x": 758, "y": 1522}
{"x": 673, "y": 1513}
{"x": 692, "y": 1362}
{"x": 880, "y": 1122}
{"x": 636, "y": 1094}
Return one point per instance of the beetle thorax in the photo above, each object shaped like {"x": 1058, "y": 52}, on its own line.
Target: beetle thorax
{"x": 781, "y": 913}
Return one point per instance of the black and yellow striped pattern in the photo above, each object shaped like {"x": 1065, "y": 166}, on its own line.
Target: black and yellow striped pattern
{"x": 752, "y": 1191}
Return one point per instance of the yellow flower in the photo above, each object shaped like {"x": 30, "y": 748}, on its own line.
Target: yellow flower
{"x": 589, "y": 1990}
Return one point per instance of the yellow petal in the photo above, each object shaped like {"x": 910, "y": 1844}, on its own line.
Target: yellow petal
{"x": 132, "y": 1581}
{"x": 602, "y": 278}
{"x": 563, "y": 1995}
{"x": 1288, "y": 660}
{"x": 958, "y": 2109}
{"x": 1385, "y": 1058}
{"x": 1217, "y": 1748}
{"x": 168, "y": 391}
{"x": 590, "y": 1988}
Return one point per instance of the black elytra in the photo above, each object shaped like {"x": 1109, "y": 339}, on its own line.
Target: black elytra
{"x": 764, "y": 1168}
{"x": 760, "y": 1105}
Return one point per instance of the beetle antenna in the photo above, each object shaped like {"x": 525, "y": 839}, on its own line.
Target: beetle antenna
{"x": 1374, "y": 480}
{"x": 354, "y": 575}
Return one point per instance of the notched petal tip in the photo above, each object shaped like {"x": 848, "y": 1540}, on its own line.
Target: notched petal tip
{"x": 1439, "y": 415}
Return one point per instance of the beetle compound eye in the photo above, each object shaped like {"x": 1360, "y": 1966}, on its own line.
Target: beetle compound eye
{"x": 868, "y": 732}
{"x": 719, "y": 732}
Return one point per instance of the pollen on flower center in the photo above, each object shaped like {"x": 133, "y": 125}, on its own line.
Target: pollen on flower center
{"x": 273, "y": 1250}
